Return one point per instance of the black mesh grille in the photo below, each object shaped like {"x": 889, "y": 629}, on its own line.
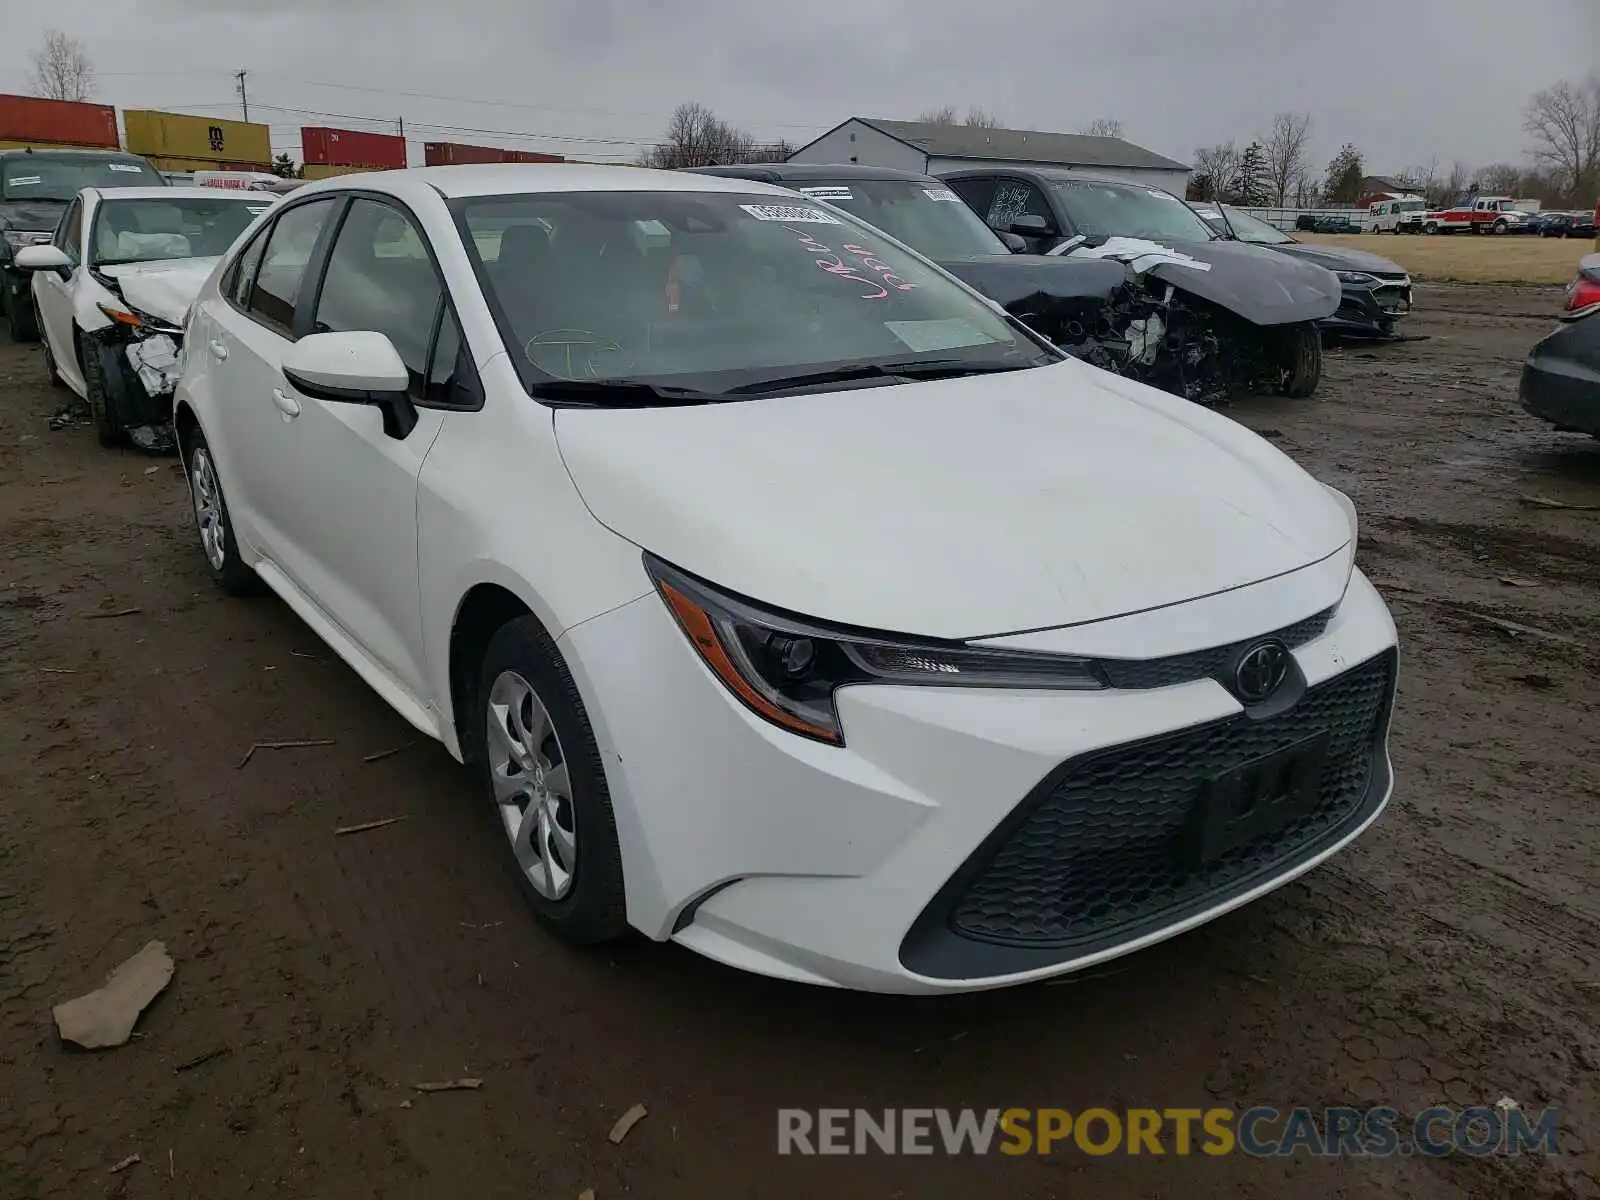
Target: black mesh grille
{"x": 1104, "y": 854}
{"x": 1203, "y": 664}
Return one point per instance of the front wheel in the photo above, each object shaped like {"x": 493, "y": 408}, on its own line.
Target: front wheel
{"x": 106, "y": 428}
{"x": 51, "y": 372}
{"x": 19, "y": 316}
{"x": 1431, "y": 227}
{"x": 548, "y": 786}
{"x": 227, "y": 569}
{"x": 1302, "y": 361}
{"x": 1501, "y": 225}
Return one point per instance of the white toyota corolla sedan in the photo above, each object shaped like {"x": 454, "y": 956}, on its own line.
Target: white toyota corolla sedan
{"x": 793, "y": 602}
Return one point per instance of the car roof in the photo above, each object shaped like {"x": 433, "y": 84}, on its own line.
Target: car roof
{"x": 69, "y": 152}
{"x": 1056, "y": 175}
{"x": 806, "y": 172}
{"x": 170, "y": 193}
{"x": 499, "y": 179}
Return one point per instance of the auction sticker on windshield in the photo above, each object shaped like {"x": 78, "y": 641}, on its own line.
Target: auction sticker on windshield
{"x": 26, "y": 181}
{"x": 941, "y": 194}
{"x": 128, "y": 168}
{"x": 828, "y": 193}
{"x": 790, "y": 213}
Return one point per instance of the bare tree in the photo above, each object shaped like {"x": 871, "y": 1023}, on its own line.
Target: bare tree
{"x": 977, "y": 117}
{"x": 1215, "y": 168}
{"x": 1103, "y": 127}
{"x": 1564, "y": 122}
{"x": 61, "y": 68}
{"x": 1501, "y": 178}
{"x": 1454, "y": 185}
{"x": 697, "y": 137}
{"x": 1284, "y": 152}
{"x": 1423, "y": 178}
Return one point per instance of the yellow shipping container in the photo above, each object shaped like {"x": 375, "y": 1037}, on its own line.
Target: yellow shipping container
{"x": 205, "y": 139}
{"x": 315, "y": 171}
{"x": 203, "y": 164}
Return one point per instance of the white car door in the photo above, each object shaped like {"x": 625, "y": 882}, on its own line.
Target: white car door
{"x": 54, "y": 296}
{"x": 238, "y": 339}
{"x": 348, "y": 489}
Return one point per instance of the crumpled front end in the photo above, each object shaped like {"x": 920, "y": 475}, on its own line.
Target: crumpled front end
{"x": 139, "y": 369}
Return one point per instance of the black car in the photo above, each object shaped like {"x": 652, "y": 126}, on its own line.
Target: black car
{"x": 1377, "y": 292}
{"x": 1327, "y": 223}
{"x": 1561, "y": 379}
{"x": 1566, "y": 224}
{"x": 1205, "y": 324}
{"x": 35, "y": 188}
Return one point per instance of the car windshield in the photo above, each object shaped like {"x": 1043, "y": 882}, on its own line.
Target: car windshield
{"x": 1101, "y": 210}
{"x": 711, "y": 291}
{"x": 46, "y": 177}
{"x": 1246, "y": 228}
{"x": 1406, "y": 206}
{"x": 143, "y": 230}
{"x": 925, "y": 215}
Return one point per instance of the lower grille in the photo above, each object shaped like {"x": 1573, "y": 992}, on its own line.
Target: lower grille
{"x": 1101, "y": 852}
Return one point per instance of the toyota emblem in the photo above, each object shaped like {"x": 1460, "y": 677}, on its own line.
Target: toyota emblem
{"x": 1261, "y": 671}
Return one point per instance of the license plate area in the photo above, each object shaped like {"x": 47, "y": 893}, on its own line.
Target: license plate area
{"x": 1258, "y": 797}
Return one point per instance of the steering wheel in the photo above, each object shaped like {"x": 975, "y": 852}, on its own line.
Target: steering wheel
{"x": 577, "y": 354}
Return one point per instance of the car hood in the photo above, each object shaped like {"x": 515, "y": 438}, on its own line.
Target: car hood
{"x": 1337, "y": 258}
{"x": 33, "y": 216}
{"x": 1260, "y": 286}
{"x": 164, "y": 289}
{"x": 956, "y": 508}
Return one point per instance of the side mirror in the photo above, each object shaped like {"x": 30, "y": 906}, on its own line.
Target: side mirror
{"x": 1029, "y": 225}
{"x": 354, "y": 368}
{"x": 44, "y": 258}
{"x": 1016, "y": 243}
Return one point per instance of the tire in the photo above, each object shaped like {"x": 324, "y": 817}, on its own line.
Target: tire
{"x": 1501, "y": 225}
{"x": 219, "y": 547}
{"x": 1302, "y": 362}
{"x": 524, "y": 764}
{"x": 19, "y": 318}
{"x": 106, "y": 429}
{"x": 1431, "y": 227}
{"x": 51, "y": 374}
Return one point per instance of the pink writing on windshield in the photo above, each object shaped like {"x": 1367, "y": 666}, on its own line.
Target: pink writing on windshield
{"x": 885, "y": 272}
{"x": 834, "y": 265}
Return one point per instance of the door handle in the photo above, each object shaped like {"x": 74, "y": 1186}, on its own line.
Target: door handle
{"x": 220, "y": 349}
{"x": 287, "y": 404}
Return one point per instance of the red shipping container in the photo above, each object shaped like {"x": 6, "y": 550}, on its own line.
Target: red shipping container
{"x": 351, "y": 148}
{"x": 454, "y": 154}
{"x": 57, "y": 122}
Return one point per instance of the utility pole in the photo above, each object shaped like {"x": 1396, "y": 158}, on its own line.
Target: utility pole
{"x": 244, "y": 96}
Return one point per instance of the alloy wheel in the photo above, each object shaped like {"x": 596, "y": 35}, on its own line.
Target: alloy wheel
{"x": 532, "y": 786}
{"x": 208, "y": 508}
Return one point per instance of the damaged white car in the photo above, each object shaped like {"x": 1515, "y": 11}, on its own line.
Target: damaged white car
{"x": 111, "y": 290}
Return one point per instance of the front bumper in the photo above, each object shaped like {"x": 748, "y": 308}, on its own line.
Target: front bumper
{"x": 864, "y": 866}
{"x": 140, "y": 376}
{"x": 1369, "y": 308}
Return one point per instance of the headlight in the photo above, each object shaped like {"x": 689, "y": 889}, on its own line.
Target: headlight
{"x": 786, "y": 668}
{"x": 17, "y": 238}
{"x": 137, "y": 320}
{"x": 1356, "y": 277}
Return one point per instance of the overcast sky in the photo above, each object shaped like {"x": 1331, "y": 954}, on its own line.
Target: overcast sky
{"x": 1405, "y": 80}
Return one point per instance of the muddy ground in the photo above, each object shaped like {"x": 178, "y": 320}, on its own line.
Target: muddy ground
{"x": 1449, "y": 958}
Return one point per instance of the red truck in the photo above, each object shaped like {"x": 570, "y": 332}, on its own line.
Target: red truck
{"x": 1484, "y": 214}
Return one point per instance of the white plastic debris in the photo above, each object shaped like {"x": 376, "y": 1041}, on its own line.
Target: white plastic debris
{"x": 106, "y": 1016}
{"x": 1139, "y": 254}
{"x": 155, "y": 361}
{"x": 1144, "y": 339}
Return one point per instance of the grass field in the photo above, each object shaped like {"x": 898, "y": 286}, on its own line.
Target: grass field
{"x": 1462, "y": 258}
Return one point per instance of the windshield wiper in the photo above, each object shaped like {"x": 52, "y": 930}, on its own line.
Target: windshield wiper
{"x": 927, "y": 368}
{"x": 621, "y": 393}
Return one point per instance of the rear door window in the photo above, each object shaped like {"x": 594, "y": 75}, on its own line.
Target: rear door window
{"x": 276, "y": 289}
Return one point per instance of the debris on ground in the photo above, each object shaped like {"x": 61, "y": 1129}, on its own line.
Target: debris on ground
{"x": 449, "y": 1085}
{"x": 1535, "y": 681}
{"x": 132, "y": 1160}
{"x": 152, "y": 470}
{"x": 250, "y": 753}
{"x": 366, "y": 825}
{"x": 106, "y": 1017}
{"x": 1546, "y": 502}
{"x": 199, "y": 1060}
{"x": 71, "y": 416}
{"x": 119, "y": 612}
{"x": 626, "y": 1122}
{"x": 1505, "y": 1104}
{"x": 1514, "y": 581}
{"x": 1516, "y": 628}
{"x": 586, "y": 1194}
{"x": 383, "y": 754}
